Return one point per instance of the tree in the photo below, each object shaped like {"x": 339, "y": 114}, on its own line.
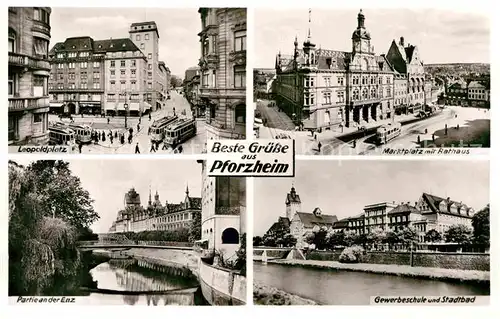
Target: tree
{"x": 350, "y": 237}
{"x": 459, "y": 234}
{"x": 408, "y": 236}
{"x": 257, "y": 241}
{"x": 195, "y": 228}
{"x": 336, "y": 239}
{"x": 175, "y": 81}
{"x": 361, "y": 239}
{"x": 318, "y": 238}
{"x": 391, "y": 238}
{"x": 61, "y": 193}
{"x": 481, "y": 226}
{"x": 289, "y": 241}
{"x": 433, "y": 236}
{"x": 376, "y": 236}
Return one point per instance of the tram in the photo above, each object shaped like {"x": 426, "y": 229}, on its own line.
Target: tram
{"x": 158, "y": 127}
{"x": 387, "y": 132}
{"x": 60, "y": 134}
{"x": 83, "y": 132}
{"x": 180, "y": 131}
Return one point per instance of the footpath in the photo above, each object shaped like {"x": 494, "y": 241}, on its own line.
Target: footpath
{"x": 472, "y": 276}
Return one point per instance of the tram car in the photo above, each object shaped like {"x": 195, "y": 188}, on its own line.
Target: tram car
{"x": 387, "y": 132}
{"x": 61, "y": 134}
{"x": 83, "y": 132}
{"x": 158, "y": 127}
{"x": 180, "y": 131}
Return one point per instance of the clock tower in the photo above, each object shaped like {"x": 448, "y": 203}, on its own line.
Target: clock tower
{"x": 360, "y": 37}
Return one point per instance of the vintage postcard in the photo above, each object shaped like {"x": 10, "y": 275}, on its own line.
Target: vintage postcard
{"x": 164, "y": 233}
{"x": 373, "y": 232}
{"x": 125, "y": 80}
{"x": 376, "y": 82}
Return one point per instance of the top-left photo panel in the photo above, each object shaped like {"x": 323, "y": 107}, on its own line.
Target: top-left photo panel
{"x": 125, "y": 80}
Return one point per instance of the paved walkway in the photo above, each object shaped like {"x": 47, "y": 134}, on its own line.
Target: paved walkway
{"x": 399, "y": 270}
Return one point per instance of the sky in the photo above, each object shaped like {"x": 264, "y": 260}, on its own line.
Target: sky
{"x": 441, "y": 36}
{"x": 178, "y": 29}
{"x": 107, "y": 181}
{"x": 343, "y": 188}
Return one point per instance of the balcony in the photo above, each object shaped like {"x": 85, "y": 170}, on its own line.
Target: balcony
{"x": 238, "y": 57}
{"x": 21, "y": 60}
{"x": 235, "y": 210}
{"x": 209, "y": 61}
{"x": 26, "y": 103}
{"x": 366, "y": 101}
{"x": 42, "y": 27}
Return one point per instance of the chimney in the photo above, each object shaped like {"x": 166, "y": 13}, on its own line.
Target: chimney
{"x": 402, "y": 41}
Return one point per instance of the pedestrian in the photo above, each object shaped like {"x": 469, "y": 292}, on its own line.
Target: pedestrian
{"x": 111, "y": 139}
{"x": 315, "y": 136}
{"x": 138, "y": 127}
{"x": 80, "y": 147}
{"x": 116, "y": 134}
{"x": 131, "y": 131}
{"x": 149, "y": 130}
{"x": 108, "y": 119}
{"x": 433, "y": 137}
{"x": 122, "y": 139}
{"x": 140, "y": 119}
{"x": 137, "y": 148}
{"x": 425, "y": 131}
{"x": 149, "y": 114}
{"x": 153, "y": 149}
{"x": 354, "y": 144}
{"x": 418, "y": 139}
{"x": 130, "y": 139}
{"x": 180, "y": 148}
{"x": 319, "y": 147}
{"x": 165, "y": 146}
{"x": 446, "y": 129}
{"x": 157, "y": 144}
{"x": 458, "y": 126}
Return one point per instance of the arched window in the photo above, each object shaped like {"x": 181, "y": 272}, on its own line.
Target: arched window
{"x": 373, "y": 93}
{"x": 12, "y": 40}
{"x": 240, "y": 113}
{"x": 355, "y": 95}
{"x": 230, "y": 236}
{"x": 365, "y": 93}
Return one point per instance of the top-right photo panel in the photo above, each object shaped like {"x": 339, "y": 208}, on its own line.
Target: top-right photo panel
{"x": 373, "y": 82}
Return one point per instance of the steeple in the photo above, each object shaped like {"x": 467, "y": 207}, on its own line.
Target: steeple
{"x": 361, "y": 19}
{"x": 149, "y": 201}
{"x": 187, "y": 189}
{"x": 308, "y": 43}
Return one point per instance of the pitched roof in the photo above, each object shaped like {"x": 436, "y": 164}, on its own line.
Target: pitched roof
{"x": 310, "y": 220}
{"x": 115, "y": 45}
{"x": 404, "y": 208}
{"x": 434, "y": 201}
{"x": 409, "y": 52}
{"x": 338, "y": 59}
{"x": 285, "y": 221}
{"x": 476, "y": 85}
{"x": 383, "y": 63}
{"x": 98, "y": 46}
{"x": 195, "y": 202}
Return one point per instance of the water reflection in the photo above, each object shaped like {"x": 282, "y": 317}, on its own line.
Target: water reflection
{"x": 354, "y": 288}
{"x": 127, "y": 276}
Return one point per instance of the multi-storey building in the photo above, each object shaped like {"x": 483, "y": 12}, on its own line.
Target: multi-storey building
{"x": 407, "y": 62}
{"x": 28, "y": 75}
{"x": 429, "y": 212}
{"x": 125, "y": 81}
{"x": 98, "y": 77}
{"x": 321, "y": 88}
{"x": 376, "y": 216}
{"x": 146, "y": 37}
{"x": 223, "y": 212}
{"x": 192, "y": 90}
{"x": 155, "y": 216}
{"x": 456, "y": 94}
{"x": 164, "y": 80}
{"x": 77, "y": 79}
{"x": 223, "y": 70}
{"x": 478, "y": 94}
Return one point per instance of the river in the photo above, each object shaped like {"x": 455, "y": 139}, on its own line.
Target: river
{"x": 330, "y": 287}
{"x": 127, "y": 276}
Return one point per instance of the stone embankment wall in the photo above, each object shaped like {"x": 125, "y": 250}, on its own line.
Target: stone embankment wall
{"x": 464, "y": 261}
{"x": 272, "y": 252}
{"x": 221, "y": 286}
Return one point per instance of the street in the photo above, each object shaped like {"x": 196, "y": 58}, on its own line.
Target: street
{"x": 194, "y": 145}
{"x": 470, "y": 120}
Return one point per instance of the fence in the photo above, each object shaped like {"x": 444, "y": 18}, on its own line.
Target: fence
{"x": 136, "y": 242}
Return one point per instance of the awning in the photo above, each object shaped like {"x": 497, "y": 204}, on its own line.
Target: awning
{"x": 56, "y": 104}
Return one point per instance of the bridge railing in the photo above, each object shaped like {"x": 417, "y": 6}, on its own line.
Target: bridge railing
{"x": 135, "y": 242}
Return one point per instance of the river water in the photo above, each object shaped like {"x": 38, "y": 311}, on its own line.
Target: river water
{"x": 331, "y": 287}
{"x": 125, "y": 275}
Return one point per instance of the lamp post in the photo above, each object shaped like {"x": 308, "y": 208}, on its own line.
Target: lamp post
{"x": 125, "y": 106}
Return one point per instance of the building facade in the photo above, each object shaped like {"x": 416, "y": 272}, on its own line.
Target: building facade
{"x": 328, "y": 89}
{"x": 457, "y": 94}
{"x": 146, "y": 37}
{"x": 478, "y": 94}
{"x": 223, "y": 71}
{"x": 136, "y": 218}
{"x": 28, "y": 75}
{"x": 468, "y": 93}
{"x": 429, "y": 212}
{"x": 100, "y": 77}
{"x": 223, "y": 212}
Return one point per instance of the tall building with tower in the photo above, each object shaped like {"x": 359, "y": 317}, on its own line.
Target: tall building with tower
{"x": 28, "y": 75}
{"x": 223, "y": 71}
{"x": 329, "y": 89}
{"x": 146, "y": 37}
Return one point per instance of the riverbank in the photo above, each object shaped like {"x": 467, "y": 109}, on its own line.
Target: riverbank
{"x": 453, "y": 275}
{"x": 267, "y": 295}
{"x": 166, "y": 257}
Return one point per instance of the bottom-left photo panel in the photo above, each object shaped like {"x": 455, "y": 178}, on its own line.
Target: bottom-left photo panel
{"x": 125, "y": 232}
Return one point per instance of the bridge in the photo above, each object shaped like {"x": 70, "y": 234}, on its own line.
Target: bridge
{"x": 126, "y": 244}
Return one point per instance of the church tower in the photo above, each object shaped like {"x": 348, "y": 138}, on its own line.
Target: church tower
{"x": 309, "y": 46}
{"x": 292, "y": 203}
{"x": 361, "y": 37}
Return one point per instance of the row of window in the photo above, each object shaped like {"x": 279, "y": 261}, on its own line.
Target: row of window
{"x": 72, "y": 76}
{"x": 327, "y": 97}
{"x": 132, "y": 73}
{"x": 82, "y": 65}
{"x": 123, "y": 85}
{"x": 239, "y": 78}
{"x": 138, "y": 37}
{"x": 72, "y": 86}
{"x": 309, "y": 81}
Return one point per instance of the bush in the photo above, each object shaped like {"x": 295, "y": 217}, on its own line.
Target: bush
{"x": 351, "y": 254}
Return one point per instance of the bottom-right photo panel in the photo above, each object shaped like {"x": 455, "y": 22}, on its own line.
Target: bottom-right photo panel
{"x": 373, "y": 232}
